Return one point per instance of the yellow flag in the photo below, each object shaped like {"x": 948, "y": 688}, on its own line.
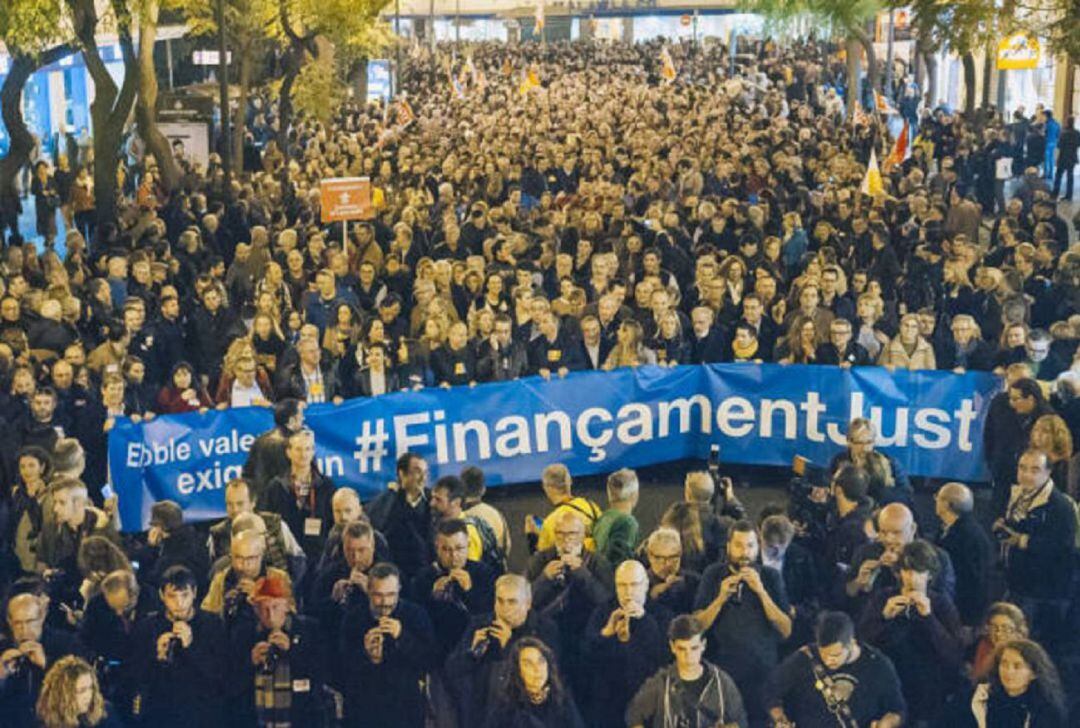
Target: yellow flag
{"x": 667, "y": 66}
{"x": 529, "y": 82}
{"x": 872, "y": 184}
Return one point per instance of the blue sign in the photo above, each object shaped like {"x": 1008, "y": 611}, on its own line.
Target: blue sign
{"x": 593, "y": 422}
{"x": 379, "y": 82}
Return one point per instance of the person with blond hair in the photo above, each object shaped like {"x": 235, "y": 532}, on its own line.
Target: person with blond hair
{"x": 1050, "y": 434}
{"x": 71, "y": 698}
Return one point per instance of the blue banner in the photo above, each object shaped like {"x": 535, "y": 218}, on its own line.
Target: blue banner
{"x": 593, "y": 422}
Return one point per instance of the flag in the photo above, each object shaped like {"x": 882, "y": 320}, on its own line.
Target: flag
{"x": 882, "y": 104}
{"x": 539, "y": 17}
{"x": 529, "y": 82}
{"x": 899, "y": 150}
{"x": 667, "y": 66}
{"x": 872, "y": 184}
{"x": 405, "y": 113}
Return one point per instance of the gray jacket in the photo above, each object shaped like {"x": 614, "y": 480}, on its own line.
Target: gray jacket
{"x": 720, "y": 703}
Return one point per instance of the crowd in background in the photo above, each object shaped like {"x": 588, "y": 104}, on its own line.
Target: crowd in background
{"x": 542, "y": 210}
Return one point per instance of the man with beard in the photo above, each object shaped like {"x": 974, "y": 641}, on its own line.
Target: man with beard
{"x": 387, "y": 645}
{"x": 743, "y": 608}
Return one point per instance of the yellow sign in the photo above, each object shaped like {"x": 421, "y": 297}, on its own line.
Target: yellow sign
{"x": 1018, "y": 51}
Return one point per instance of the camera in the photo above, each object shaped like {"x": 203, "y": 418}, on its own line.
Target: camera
{"x": 481, "y": 648}
{"x": 170, "y": 650}
{"x": 270, "y": 662}
{"x": 18, "y": 665}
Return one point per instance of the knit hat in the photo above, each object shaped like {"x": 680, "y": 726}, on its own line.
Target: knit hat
{"x": 167, "y": 515}
{"x": 271, "y": 586}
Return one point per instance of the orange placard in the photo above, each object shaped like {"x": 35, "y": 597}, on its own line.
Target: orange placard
{"x": 346, "y": 198}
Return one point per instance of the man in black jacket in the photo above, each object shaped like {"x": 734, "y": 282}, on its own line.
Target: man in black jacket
{"x": 840, "y": 349}
{"x": 266, "y": 459}
{"x": 302, "y": 497}
{"x": 171, "y": 542}
{"x": 179, "y": 659}
{"x": 1037, "y": 535}
{"x": 625, "y": 644}
{"x": 386, "y": 646}
{"x": 278, "y": 666}
{"x": 569, "y": 582}
{"x": 25, "y": 655}
{"x": 452, "y": 588}
{"x": 309, "y": 378}
{"x": 478, "y": 668}
{"x": 403, "y": 515}
{"x": 969, "y": 548}
{"x": 500, "y": 357}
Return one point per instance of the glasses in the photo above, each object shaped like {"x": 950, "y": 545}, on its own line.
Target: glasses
{"x": 666, "y": 559}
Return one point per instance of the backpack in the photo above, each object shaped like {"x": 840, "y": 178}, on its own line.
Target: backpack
{"x": 491, "y": 554}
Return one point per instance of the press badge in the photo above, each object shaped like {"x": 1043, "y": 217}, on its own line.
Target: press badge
{"x": 301, "y": 686}
{"x": 312, "y": 526}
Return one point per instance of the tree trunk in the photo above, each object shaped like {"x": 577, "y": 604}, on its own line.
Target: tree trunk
{"x": 240, "y": 120}
{"x": 969, "y": 84}
{"x": 22, "y": 142}
{"x": 853, "y": 76}
{"x": 1070, "y": 85}
{"x": 873, "y": 73}
{"x": 362, "y": 80}
{"x": 146, "y": 105}
{"x": 111, "y": 106}
{"x": 987, "y": 74}
{"x": 931, "y": 73}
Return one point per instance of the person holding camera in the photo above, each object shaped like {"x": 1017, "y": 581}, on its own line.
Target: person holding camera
{"x": 569, "y": 582}
{"x": 387, "y": 644}
{"x": 278, "y": 661}
{"x": 1037, "y": 538}
{"x": 919, "y": 629}
{"x": 229, "y": 595}
{"x": 875, "y": 565}
{"x": 743, "y": 608}
{"x": 477, "y": 669}
{"x": 25, "y": 654}
{"x": 179, "y": 659}
{"x": 624, "y": 645}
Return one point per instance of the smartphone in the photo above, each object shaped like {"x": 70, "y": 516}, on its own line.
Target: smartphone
{"x": 714, "y": 456}
{"x": 538, "y": 521}
{"x": 798, "y": 465}
{"x": 107, "y": 491}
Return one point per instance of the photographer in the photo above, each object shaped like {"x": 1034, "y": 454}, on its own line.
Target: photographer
{"x": 179, "y": 659}
{"x": 875, "y": 565}
{"x": 743, "y": 609}
{"x": 25, "y": 655}
{"x": 919, "y": 629}
{"x": 478, "y": 669}
{"x": 229, "y": 595}
{"x": 278, "y": 661}
{"x": 387, "y": 644}
{"x": 568, "y": 583}
{"x": 670, "y": 585}
{"x": 1037, "y": 545}
{"x": 624, "y": 646}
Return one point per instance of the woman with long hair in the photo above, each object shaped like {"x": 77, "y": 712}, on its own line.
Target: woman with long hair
{"x": 28, "y": 503}
{"x": 686, "y": 519}
{"x": 629, "y": 350}
{"x": 183, "y": 393}
{"x": 97, "y": 558}
{"x": 870, "y": 309}
{"x": 1024, "y": 690}
{"x": 1051, "y": 435}
{"x": 1004, "y": 622}
{"x": 535, "y": 696}
{"x": 70, "y": 697}
{"x": 800, "y": 344}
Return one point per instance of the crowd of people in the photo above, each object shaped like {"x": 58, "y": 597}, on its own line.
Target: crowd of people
{"x": 542, "y": 210}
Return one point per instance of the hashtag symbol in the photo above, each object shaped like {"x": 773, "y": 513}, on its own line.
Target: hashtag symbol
{"x": 371, "y": 446}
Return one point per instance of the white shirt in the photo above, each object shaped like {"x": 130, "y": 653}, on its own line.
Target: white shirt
{"x": 242, "y": 396}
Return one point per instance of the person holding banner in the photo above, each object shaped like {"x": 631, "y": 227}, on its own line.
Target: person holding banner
{"x": 302, "y": 497}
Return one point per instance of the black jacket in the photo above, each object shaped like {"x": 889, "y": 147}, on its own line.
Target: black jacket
{"x": 19, "y": 692}
{"x": 278, "y": 498}
{"x": 1044, "y": 569}
{"x": 972, "y": 556}
{"x": 407, "y": 529}
{"x": 388, "y": 693}
{"x": 307, "y": 671}
{"x": 564, "y": 351}
{"x": 450, "y": 616}
{"x": 289, "y": 382}
{"x": 509, "y": 362}
{"x": 188, "y": 691}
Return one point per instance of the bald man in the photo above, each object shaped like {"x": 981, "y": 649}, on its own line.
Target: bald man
{"x": 231, "y": 588}
{"x": 874, "y": 564}
{"x": 969, "y": 547}
{"x": 624, "y": 644}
